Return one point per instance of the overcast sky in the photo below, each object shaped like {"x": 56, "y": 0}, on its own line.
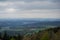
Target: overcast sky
{"x": 29, "y": 8}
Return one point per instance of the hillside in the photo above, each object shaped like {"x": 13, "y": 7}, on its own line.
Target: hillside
{"x": 48, "y": 34}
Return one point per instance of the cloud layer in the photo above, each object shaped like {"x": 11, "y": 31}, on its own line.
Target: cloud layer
{"x": 29, "y": 8}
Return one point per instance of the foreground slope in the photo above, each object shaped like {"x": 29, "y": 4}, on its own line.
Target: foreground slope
{"x": 48, "y": 34}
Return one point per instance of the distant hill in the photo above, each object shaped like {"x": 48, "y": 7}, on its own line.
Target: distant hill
{"x": 29, "y": 23}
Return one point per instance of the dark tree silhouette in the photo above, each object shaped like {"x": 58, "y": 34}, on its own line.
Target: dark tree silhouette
{"x": 0, "y": 35}
{"x": 19, "y": 37}
{"x": 5, "y": 36}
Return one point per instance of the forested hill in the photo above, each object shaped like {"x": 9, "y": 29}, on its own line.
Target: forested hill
{"x": 48, "y": 34}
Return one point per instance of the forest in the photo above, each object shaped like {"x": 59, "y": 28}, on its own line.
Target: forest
{"x": 47, "y": 34}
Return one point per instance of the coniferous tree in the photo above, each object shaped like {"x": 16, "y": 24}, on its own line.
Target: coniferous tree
{"x": 0, "y": 35}
{"x": 19, "y": 37}
{"x": 12, "y": 38}
{"x": 5, "y": 36}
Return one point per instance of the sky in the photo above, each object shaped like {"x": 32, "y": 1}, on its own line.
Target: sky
{"x": 30, "y": 9}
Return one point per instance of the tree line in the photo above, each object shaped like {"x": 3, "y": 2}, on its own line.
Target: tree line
{"x": 5, "y": 36}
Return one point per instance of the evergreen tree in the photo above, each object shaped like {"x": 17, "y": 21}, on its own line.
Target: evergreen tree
{"x": 12, "y": 38}
{"x": 0, "y": 35}
{"x": 5, "y": 36}
{"x": 19, "y": 37}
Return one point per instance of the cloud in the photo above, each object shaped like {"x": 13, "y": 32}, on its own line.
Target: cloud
{"x": 31, "y": 5}
{"x": 29, "y": 9}
{"x": 30, "y": 0}
{"x": 22, "y": 0}
{"x": 10, "y": 10}
{"x": 55, "y": 0}
{"x": 32, "y": 14}
{"x": 3, "y": 0}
